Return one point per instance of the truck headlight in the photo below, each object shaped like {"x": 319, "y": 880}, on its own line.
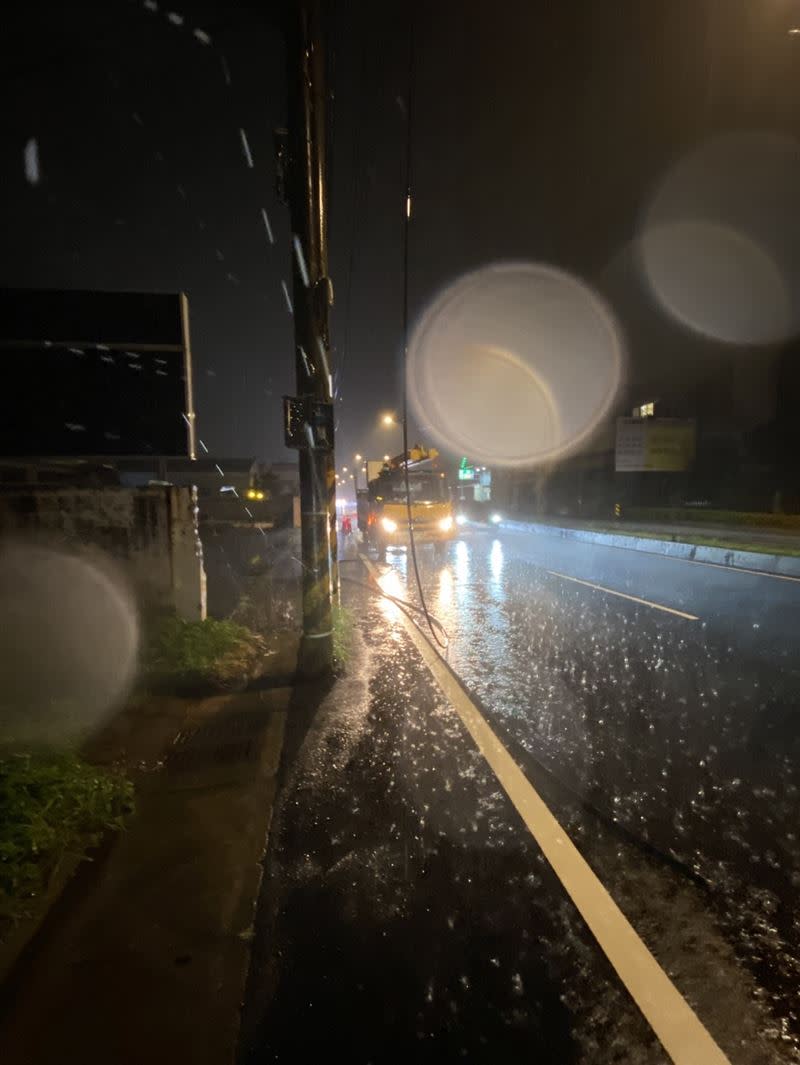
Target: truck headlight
{"x": 389, "y": 525}
{"x": 496, "y": 519}
{"x": 461, "y": 519}
{"x": 446, "y": 524}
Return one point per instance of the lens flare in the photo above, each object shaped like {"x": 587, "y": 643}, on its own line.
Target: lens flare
{"x": 69, "y": 639}
{"x": 720, "y": 242}
{"x": 514, "y": 364}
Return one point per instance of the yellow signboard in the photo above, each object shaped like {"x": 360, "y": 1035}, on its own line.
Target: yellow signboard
{"x": 655, "y": 444}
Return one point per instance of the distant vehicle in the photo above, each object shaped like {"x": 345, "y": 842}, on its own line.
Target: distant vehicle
{"x": 493, "y": 519}
{"x": 383, "y": 509}
{"x": 268, "y": 497}
{"x": 480, "y": 512}
{"x": 259, "y": 488}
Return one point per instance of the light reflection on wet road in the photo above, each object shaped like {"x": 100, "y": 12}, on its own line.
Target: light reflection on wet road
{"x": 681, "y": 731}
{"x": 408, "y": 913}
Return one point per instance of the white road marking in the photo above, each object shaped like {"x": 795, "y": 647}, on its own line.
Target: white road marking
{"x": 677, "y": 1026}
{"x": 624, "y": 595}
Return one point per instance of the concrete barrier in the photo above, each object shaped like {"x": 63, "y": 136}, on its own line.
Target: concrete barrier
{"x": 780, "y": 565}
{"x": 151, "y": 533}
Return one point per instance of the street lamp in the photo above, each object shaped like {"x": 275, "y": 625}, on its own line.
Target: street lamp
{"x": 388, "y": 419}
{"x": 358, "y": 458}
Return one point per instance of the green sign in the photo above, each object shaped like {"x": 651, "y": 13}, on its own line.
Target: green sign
{"x": 465, "y": 471}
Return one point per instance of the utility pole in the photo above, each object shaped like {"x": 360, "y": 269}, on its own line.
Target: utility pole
{"x": 309, "y": 416}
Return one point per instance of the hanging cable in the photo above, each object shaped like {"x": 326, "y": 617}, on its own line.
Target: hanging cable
{"x": 356, "y": 209}
{"x": 373, "y": 585}
{"x": 432, "y": 623}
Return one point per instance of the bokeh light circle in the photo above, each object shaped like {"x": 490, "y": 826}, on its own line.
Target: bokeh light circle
{"x": 514, "y": 364}
{"x": 69, "y": 639}
{"x": 720, "y": 241}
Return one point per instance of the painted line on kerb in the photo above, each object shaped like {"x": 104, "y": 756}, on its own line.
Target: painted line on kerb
{"x": 677, "y": 558}
{"x": 624, "y": 595}
{"x": 719, "y": 565}
{"x": 677, "y": 1026}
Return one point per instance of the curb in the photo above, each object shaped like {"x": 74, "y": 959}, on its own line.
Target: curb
{"x": 187, "y": 921}
{"x": 24, "y": 932}
{"x": 776, "y": 565}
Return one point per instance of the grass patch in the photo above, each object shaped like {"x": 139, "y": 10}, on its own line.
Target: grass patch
{"x": 704, "y": 516}
{"x": 743, "y": 545}
{"x": 210, "y": 651}
{"x": 736, "y": 541}
{"x": 698, "y": 540}
{"x": 54, "y": 806}
{"x": 343, "y": 630}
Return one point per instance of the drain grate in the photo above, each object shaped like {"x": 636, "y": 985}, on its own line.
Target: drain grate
{"x": 225, "y": 740}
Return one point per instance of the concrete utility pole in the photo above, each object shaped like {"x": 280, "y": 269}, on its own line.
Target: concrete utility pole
{"x": 309, "y": 418}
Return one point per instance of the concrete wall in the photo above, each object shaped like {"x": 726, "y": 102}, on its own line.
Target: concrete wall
{"x": 151, "y": 532}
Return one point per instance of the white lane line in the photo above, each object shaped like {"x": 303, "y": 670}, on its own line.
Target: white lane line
{"x": 624, "y": 595}
{"x": 680, "y": 1030}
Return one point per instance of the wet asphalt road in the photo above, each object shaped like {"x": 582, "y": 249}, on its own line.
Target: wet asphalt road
{"x": 684, "y": 732}
{"x": 405, "y": 913}
{"x": 406, "y": 909}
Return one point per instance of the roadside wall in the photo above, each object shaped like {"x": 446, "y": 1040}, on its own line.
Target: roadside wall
{"x": 150, "y": 532}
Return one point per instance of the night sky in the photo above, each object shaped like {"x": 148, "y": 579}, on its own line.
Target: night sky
{"x": 539, "y": 132}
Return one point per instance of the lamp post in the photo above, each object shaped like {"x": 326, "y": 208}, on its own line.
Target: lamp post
{"x": 389, "y": 421}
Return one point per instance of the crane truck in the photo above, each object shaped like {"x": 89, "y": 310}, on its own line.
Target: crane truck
{"x": 383, "y": 508}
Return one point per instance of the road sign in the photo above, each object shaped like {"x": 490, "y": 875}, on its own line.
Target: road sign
{"x": 465, "y": 471}
{"x": 650, "y": 445}
{"x": 308, "y": 422}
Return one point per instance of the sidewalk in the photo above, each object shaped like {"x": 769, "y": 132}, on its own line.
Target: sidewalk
{"x": 144, "y": 958}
